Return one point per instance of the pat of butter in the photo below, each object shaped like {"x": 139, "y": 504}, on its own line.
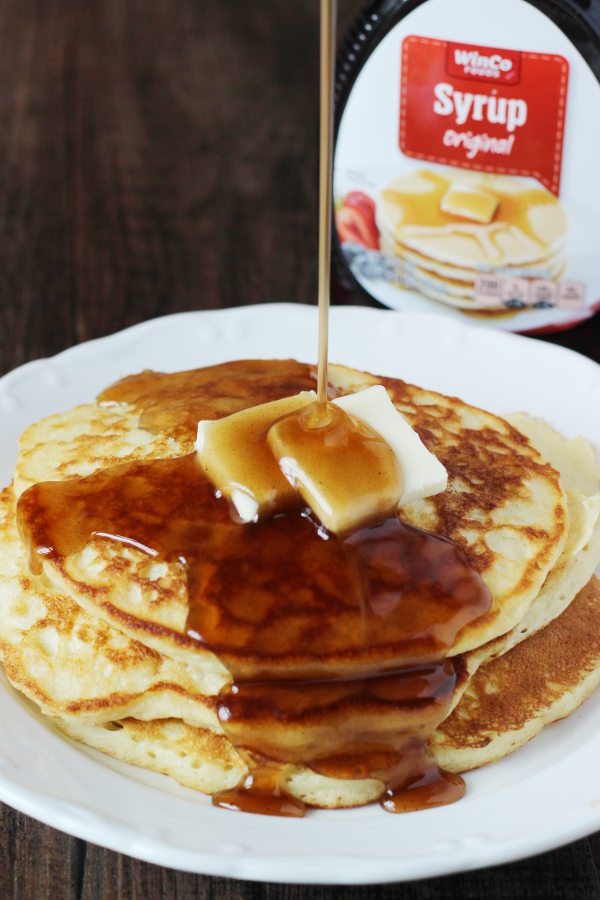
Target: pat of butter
{"x": 470, "y": 202}
{"x": 236, "y": 457}
{"x": 358, "y": 468}
{"x": 245, "y": 456}
{"x": 341, "y": 467}
{"x": 423, "y": 475}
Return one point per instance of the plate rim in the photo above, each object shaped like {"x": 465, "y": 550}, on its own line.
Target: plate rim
{"x": 267, "y": 867}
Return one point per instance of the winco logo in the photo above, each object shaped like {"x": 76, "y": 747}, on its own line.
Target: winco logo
{"x": 483, "y": 63}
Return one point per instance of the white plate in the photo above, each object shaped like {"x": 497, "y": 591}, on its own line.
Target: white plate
{"x": 546, "y": 794}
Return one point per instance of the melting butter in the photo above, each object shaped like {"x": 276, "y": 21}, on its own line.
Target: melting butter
{"x": 234, "y": 453}
{"x": 351, "y": 460}
{"x": 342, "y": 468}
{"x": 423, "y": 475}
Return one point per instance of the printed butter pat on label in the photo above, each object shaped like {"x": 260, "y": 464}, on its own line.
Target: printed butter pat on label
{"x": 464, "y": 104}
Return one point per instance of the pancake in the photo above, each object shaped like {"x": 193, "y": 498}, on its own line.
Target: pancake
{"x": 93, "y": 436}
{"x": 580, "y": 476}
{"x": 207, "y": 762}
{"x": 74, "y": 665}
{"x": 514, "y": 696}
{"x": 201, "y": 760}
{"x": 504, "y": 509}
{"x": 83, "y": 440}
{"x": 195, "y": 757}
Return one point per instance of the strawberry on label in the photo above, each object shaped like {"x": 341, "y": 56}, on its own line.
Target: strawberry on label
{"x": 355, "y": 221}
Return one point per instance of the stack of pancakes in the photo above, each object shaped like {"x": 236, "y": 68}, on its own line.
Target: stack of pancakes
{"x": 443, "y": 253}
{"x": 98, "y": 638}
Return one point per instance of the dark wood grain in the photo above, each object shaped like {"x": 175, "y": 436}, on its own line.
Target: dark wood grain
{"x": 158, "y": 157}
{"x": 155, "y": 158}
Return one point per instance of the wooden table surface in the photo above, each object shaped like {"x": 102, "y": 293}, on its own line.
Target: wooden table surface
{"x": 158, "y": 157}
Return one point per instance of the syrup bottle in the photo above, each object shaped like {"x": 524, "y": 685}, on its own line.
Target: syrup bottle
{"x": 481, "y": 97}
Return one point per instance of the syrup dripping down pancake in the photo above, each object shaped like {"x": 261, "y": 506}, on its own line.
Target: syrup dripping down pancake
{"x": 75, "y": 458}
{"x": 507, "y": 703}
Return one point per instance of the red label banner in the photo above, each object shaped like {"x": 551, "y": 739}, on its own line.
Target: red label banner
{"x": 484, "y": 108}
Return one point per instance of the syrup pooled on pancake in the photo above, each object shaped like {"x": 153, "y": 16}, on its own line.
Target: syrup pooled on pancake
{"x": 174, "y": 403}
{"x": 336, "y": 643}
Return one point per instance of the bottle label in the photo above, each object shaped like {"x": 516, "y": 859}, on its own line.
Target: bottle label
{"x": 466, "y": 177}
{"x": 481, "y": 107}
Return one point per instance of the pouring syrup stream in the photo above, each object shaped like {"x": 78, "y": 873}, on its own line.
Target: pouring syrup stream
{"x": 328, "y": 13}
